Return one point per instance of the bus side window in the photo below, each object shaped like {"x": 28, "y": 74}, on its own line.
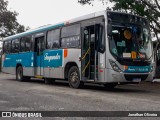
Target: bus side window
{"x": 53, "y": 39}
{"x": 15, "y": 45}
{"x": 6, "y": 47}
{"x": 25, "y": 44}
{"x": 22, "y": 45}
{"x": 70, "y": 36}
{"x": 28, "y": 43}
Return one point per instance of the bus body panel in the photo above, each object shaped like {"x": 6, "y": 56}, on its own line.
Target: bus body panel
{"x": 11, "y": 61}
{"x": 56, "y": 60}
{"x": 136, "y": 72}
{"x": 72, "y": 56}
{"x": 120, "y": 77}
{"x": 53, "y": 62}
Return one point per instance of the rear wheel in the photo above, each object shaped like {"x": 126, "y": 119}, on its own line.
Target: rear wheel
{"x": 19, "y": 73}
{"x": 110, "y": 85}
{"x": 74, "y": 78}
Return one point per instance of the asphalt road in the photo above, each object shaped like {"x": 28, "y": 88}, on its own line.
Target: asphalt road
{"x": 37, "y": 96}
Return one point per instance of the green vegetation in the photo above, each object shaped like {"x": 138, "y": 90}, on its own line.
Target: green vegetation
{"x": 8, "y": 21}
{"x": 146, "y": 8}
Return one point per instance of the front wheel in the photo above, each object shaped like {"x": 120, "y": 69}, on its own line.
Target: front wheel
{"x": 74, "y": 78}
{"x": 19, "y": 73}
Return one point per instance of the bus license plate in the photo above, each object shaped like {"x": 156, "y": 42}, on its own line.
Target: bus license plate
{"x": 136, "y": 79}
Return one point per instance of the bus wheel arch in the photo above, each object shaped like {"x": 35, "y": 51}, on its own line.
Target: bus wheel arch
{"x": 19, "y": 73}
{"x": 68, "y": 67}
{"x": 72, "y": 73}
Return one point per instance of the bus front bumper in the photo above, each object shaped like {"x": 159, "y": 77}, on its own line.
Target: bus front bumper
{"x": 113, "y": 76}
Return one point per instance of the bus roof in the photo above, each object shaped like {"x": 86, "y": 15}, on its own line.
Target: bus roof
{"x": 50, "y": 27}
{"x": 29, "y": 32}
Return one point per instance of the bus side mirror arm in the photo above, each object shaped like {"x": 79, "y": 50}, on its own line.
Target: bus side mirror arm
{"x": 109, "y": 27}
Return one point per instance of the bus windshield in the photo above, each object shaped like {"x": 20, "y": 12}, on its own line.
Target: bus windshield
{"x": 130, "y": 41}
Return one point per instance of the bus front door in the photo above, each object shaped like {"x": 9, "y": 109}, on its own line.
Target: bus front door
{"x": 39, "y": 60}
{"x": 89, "y": 59}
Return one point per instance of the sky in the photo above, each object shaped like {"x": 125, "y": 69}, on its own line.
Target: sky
{"x": 36, "y": 13}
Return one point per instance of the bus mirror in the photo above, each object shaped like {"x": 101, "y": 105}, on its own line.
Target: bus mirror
{"x": 109, "y": 29}
{"x": 99, "y": 38}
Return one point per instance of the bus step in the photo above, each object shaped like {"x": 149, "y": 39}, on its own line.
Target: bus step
{"x": 37, "y": 76}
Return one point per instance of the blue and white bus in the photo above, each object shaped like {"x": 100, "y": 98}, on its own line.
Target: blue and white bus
{"x": 104, "y": 47}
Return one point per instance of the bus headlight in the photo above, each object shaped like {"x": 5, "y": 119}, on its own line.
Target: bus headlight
{"x": 151, "y": 70}
{"x": 114, "y": 66}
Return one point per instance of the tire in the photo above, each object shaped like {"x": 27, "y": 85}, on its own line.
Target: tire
{"x": 49, "y": 81}
{"x": 110, "y": 85}
{"x": 74, "y": 78}
{"x": 19, "y": 73}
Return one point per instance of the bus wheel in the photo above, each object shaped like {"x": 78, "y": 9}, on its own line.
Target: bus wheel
{"x": 110, "y": 85}
{"x": 19, "y": 73}
{"x": 74, "y": 78}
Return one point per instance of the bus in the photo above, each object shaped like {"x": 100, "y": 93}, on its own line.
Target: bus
{"x": 105, "y": 47}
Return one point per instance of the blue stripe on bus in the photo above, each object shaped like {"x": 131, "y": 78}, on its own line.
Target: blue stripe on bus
{"x": 26, "y": 59}
{"x": 49, "y": 58}
{"x": 138, "y": 69}
{"x": 53, "y": 58}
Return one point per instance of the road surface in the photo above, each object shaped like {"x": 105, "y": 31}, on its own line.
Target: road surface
{"x": 37, "y": 96}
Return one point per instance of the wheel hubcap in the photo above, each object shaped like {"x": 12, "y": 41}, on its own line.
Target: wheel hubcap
{"x": 74, "y": 77}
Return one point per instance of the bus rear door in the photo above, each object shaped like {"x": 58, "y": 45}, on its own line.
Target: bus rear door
{"x": 38, "y": 57}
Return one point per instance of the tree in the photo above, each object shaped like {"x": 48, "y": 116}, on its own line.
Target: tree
{"x": 146, "y": 8}
{"x": 8, "y": 21}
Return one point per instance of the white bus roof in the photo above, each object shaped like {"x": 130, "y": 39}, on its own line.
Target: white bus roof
{"x": 50, "y": 27}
